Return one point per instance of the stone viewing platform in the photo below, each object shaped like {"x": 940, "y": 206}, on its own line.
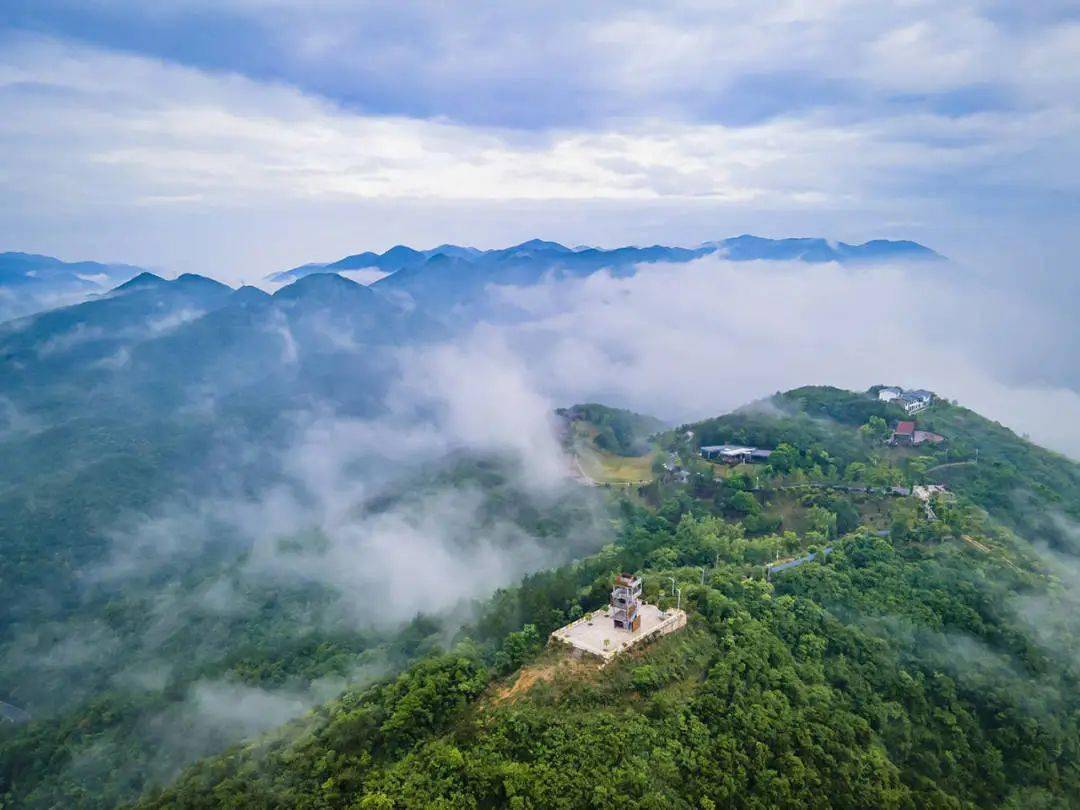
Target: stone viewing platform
{"x": 595, "y": 634}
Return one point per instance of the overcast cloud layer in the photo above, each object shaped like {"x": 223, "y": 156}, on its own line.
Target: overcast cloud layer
{"x": 237, "y": 138}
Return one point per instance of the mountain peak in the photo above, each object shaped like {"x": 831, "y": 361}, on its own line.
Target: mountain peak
{"x": 400, "y": 250}
{"x": 541, "y": 244}
{"x": 459, "y": 251}
{"x": 322, "y": 287}
{"x": 144, "y": 280}
{"x": 194, "y": 279}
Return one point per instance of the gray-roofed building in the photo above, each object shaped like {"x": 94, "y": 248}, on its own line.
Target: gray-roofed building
{"x": 734, "y": 453}
{"x": 915, "y": 401}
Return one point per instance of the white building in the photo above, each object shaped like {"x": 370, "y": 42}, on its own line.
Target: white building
{"x": 910, "y": 401}
{"x": 915, "y": 401}
{"x": 734, "y": 453}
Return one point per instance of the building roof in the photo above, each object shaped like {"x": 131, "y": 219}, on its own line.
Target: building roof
{"x": 916, "y": 396}
{"x": 905, "y": 428}
{"x": 921, "y": 436}
{"x": 735, "y": 450}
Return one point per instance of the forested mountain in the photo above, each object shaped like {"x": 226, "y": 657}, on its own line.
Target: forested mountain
{"x": 325, "y": 534}
{"x": 840, "y": 436}
{"x": 927, "y": 660}
{"x": 206, "y": 507}
{"x": 927, "y": 664}
{"x": 618, "y": 431}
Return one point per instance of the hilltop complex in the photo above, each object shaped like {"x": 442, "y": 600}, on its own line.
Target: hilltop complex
{"x": 626, "y": 622}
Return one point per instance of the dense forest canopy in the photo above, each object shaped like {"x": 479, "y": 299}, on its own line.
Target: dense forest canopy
{"x": 618, "y": 431}
{"x": 927, "y": 661}
{"x": 897, "y": 674}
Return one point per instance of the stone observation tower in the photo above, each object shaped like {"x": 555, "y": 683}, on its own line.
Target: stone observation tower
{"x": 635, "y": 622}
{"x": 626, "y": 602}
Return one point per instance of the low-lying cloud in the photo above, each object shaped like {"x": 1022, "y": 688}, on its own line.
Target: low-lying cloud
{"x": 695, "y": 340}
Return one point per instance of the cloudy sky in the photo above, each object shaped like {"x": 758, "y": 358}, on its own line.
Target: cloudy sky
{"x": 237, "y": 137}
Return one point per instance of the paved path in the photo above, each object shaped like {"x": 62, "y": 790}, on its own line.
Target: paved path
{"x": 950, "y": 464}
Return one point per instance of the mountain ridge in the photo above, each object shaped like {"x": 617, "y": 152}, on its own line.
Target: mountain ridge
{"x": 745, "y": 247}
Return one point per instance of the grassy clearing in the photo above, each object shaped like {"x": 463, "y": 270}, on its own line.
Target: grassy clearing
{"x": 608, "y": 468}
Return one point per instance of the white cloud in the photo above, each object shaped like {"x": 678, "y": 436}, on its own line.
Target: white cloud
{"x": 169, "y": 322}
{"x": 365, "y": 276}
{"x": 88, "y": 126}
{"x": 470, "y": 398}
{"x": 697, "y": 340}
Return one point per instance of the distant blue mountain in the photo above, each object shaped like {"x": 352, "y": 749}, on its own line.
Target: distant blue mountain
{"x": 144, "y": 281}
{"x": 248, "y": 295}
{"x": 149, "y": 340}
{"x": 747, "y": 248}
{"x": 455, "y": 251}
{"x": 31, "y": 283}
{"x": 529, "y": 260}
{"x": 396, "y": 258}
{"x": 31, "y": 268}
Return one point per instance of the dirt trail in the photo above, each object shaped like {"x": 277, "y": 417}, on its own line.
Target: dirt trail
{"x": 542, "y": 672}
{"x": 971, "y": 541}
{"x": 524, "y": 682}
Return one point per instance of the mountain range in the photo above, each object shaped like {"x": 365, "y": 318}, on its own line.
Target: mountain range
{"x": 150, "y": 340}
{"x": 442, "y": 276}
{"x": 31, "y": 283}
{"x": 556, "y": 256}
{"x": 451, "y": 274}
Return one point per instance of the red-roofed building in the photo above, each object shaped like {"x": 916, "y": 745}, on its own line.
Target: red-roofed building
{"x": 904, "y": 433}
